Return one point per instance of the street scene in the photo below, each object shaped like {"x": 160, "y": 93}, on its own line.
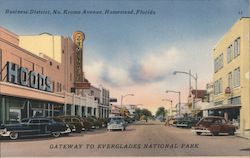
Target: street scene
{"x": 142, "y": 138}
{"x": 124, "y": 78}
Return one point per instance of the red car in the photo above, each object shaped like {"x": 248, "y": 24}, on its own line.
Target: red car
{"x": 213, "y": 125}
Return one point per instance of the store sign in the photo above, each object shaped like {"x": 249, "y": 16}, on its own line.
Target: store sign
{"x": 24, "y": 77}
{"x": 78, "y": 41}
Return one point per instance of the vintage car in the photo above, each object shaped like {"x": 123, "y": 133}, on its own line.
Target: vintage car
{"x": 214, "y": 125}
{"x": 96, "y": 123}
{"x": 116, "y": 123}
{"x": 88, "y": 123}
{"x": 34, "y": 127}
{"x": 73, "y": 121}
{"x": 104, "y": 121}
{"x": 186, "y": 122}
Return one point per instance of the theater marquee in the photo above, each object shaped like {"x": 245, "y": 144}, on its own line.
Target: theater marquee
{"x": 78, "y": 40}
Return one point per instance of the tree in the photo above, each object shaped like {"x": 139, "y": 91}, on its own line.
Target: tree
{"x": 142, "y": 113}
{"x": 161, "y": 112}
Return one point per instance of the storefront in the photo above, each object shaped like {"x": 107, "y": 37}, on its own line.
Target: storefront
{"x": 14, "y": 108}
{"x": 229, "y": 112}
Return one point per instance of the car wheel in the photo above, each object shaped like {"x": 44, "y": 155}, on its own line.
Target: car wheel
{"x": 56, "y": 134}
{"x": 14, "y": 135}
{"x": 231, "y": 132}
{"x": 198, "y": 133}
{"x": 79, "y": 130}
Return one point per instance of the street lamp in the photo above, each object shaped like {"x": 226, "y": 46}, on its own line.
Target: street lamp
{"x": 194, "y": 77}
{"x": 179, "y": 110}
{"x": 171, "y": 101}
{"x": 123, "y": 96}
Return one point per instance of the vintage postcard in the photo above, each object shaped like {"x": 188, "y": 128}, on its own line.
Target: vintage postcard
{"x": 135, "y": 78}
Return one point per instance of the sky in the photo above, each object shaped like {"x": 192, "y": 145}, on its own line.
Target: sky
{"x": 136, "y": 54}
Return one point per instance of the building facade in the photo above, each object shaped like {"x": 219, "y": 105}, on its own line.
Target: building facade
{"x": 231, "y": 75}
{"x": 38, "y": 77}
{"x": 104, "y": 106}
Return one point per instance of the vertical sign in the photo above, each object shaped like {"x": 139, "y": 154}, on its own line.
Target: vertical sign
{"x": 78, "y": 37}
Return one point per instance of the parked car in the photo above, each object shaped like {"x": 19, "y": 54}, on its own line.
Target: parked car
{"x": 34, "y": 127}
{"x": 88, "y": 125}
{"x": 116, "y": 122}
{"x": 104, "y": 121}
{"x": 186, "y": 122}
{"x": 96, "y": 123}
{"x": 74, "y": 122}
{"x": 213, "y": 125}
{"x": 129, "y": 119}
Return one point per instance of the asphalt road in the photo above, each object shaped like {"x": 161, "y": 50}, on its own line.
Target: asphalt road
{"x": 140, "y": 139}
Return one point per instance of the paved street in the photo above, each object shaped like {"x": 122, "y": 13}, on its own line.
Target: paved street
{"x": 140, "y": 139}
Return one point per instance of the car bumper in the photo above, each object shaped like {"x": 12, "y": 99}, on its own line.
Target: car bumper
{"x": 200, "y": 130}
{"x": 68, "y": 130}
{"x": 181, "y": 125}
{"x": 111, "y": 127}
{"x": 4, "y": 134}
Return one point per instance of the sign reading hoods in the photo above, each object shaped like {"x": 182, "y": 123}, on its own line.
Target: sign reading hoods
{"x": 78, "y": 37}
{"x": 24, "y": 77}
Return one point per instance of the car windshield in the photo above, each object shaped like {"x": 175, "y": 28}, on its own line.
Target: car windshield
{"x": 206, "y": 121}
{"x": 115, "y": 120}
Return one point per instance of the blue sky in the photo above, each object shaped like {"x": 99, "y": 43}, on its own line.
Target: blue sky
{"x": 137, "y": 53}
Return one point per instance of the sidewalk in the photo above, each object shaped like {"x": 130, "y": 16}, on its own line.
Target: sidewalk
{"x": 244, "y": 134}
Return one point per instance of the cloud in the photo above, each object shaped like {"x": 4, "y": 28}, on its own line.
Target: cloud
{"x": 152, "y": 67}
{"x": 155, "y": 66}
{"x": 116, "y": 76}
{"x": 99, "y": 72}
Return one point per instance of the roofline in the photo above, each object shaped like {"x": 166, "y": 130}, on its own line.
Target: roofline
{"x": 228, "y": 31}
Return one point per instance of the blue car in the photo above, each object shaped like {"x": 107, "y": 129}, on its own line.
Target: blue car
{"x": 116, "y": 123}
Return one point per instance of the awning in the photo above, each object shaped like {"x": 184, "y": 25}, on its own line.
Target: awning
{"x": 225, "y": 106}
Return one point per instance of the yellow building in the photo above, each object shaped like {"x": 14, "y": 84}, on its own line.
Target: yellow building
{"x": 44, "y": 43}
{"x": 231, "y": 75}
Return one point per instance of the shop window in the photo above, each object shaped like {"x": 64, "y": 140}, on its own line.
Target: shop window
{"x": 89, "y": 110}
{"x": 68, "y": 109}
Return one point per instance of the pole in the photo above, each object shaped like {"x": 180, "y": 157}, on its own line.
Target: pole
{"x": 190, "y": 81}
{"x": 196, "y": 93}
{"x": 171, "y": 114}
{"x": 121, "y": 100}
{"x": 179, "y": 103}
